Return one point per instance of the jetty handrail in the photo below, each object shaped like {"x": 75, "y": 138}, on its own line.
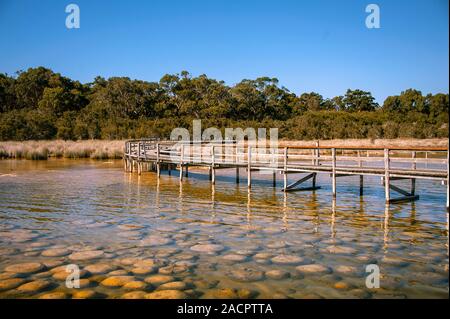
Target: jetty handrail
{"x": 238, "y": 153}
{"x": 152, "y": 143}
{"x": 391, "y": 163}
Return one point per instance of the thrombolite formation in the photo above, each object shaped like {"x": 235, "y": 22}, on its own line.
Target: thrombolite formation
{"x": 25, "y": 268}
{"x": 207, "y": 248}
{"x": 86, "y": 255}
{"x": 157, "y": 280}
{"x": 287, "y": 259}
{"x": 166, "y": 294}
{"x": 313, "y": 269}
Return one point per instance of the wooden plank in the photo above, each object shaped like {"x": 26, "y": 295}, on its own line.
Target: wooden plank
{"x": 399, "y": 190}
{"x": 300, "y": 181}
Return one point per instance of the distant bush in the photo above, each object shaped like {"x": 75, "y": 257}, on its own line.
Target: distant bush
{"x": 39, "y": 104}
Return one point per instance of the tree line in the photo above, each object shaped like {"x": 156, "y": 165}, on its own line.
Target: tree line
{"x": 41, "y": 104}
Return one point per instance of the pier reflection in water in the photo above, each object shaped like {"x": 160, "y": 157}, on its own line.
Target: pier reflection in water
{"x": 215, "y": 240}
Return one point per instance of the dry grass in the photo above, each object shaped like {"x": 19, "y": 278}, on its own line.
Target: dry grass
{"x": 37, "y": 150}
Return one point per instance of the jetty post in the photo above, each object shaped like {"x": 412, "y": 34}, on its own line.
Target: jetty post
{"x": 285, "y": 168}
{"x": 387, "y": 190}
{"x": 213, "y": 163}
{"x": 317, "y": 153}
{"x": 448, "y": 184}
{"x": 139, "y": 163}
{"x": 333, "y": 174}
{"x": 413, "y": 180}
{"x": 158, "y": 165}
{"x": 361, "y": 177}
{"x": 249, "y": 166}
{"x": 181, "y": 162}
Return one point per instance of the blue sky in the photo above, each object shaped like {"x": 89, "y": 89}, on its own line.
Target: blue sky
{"x": 320, "y": 46}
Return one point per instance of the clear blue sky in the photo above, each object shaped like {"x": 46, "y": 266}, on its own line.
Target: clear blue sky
{"x": 320, "y": 46}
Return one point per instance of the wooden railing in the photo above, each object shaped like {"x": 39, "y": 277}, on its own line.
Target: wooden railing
{"x": 426, "y": 163}
{"x": 390, "y": 164}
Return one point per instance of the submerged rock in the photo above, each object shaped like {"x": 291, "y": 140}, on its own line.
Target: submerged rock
{"x": 120, "y": 272}
{"x": 86, "y": 255}
{"x": 235, "y": 258}
{"x": 246, "y": 274}
{"x": 224, "y": 293}
{"x": 347, "y": 270}
{"x": 129, "y": 227}
{"x": 8, "y": 275}
{"x": 277, "y": 245}
{"x": 166, "y": 294}
{"x": 100, "y": 268}
{"x": 84, "y": 283}
{"x": 152, "y": 240}
{"x": 54, "y": 295}
{"x": 174, "y": 285}
{"x": 313, "y": 269}
{"x": 277, "y": 274}
{"x": 85, "y": 294}
{"x": 263, "y": 256}
{"x": 157, "y": 280}
{"x": 341, "y": 285}
{"x": 173, "y": 269}
{"x": 56, "y": 252}
{"x": 34, "y": 286}
{"x": 208, "y": 248}
{"x": 129, "y": 261}
{"x": 11, "y": 283}
{"x": 62, "y": 275}
{"x": 246, "y": 294}
{"x": 25, "y": 268}
{"x": 149, "y": 263}
{"x": 287, "y": 260}
{"x": 53, "y": 263}
{"x": 185, "y": 257}
{"x": 117, "y": 281}
{"x": 205, "y": 284}
{"x": 134, "y": 295}
{"x": 343, "y": 250}
{"x": 144, "y": 270}
{"x": 135, "y": 285}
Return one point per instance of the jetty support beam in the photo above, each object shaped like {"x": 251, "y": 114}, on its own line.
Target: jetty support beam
{"x": 292, "y": 187}
{"x": 333, "y": 174}
{"x": 249, "y": 167}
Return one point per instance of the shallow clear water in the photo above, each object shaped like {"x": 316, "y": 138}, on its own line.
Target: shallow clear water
{"x": 63, "y": 207}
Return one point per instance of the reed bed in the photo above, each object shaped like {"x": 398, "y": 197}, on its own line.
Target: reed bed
{"x": 41, "y": 150}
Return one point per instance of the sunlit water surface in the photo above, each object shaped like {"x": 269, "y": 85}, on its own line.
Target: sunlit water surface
{"x": 50, "y": 211}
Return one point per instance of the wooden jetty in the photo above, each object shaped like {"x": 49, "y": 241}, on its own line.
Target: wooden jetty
{"x": 391, "y": 164}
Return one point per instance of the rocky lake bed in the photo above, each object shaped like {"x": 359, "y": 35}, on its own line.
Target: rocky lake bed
{"x": 134, "y": 237}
